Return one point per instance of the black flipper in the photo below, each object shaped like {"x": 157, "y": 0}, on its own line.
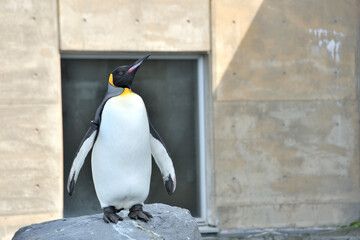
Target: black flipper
{"x": 89, "y": 139}
{"x": 156, "y": 135}
{"x": 169, "y": 185}
{"x": 163, "y": 160}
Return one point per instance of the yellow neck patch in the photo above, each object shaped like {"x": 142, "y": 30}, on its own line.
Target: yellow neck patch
{"x": 126, "y": 92}
{"x": 111, "y": 80}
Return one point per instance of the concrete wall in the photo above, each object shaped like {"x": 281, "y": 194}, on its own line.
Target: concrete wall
{"x": 124, "y": 25}
{"x": 285, "y": 108}
{"x": 30, "y": 105}
{"x": 30, "y": 115}
{"x": 286, "y": 116}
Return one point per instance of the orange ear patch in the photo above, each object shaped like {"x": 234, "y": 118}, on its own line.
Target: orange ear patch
{"x": 111, "y": 80}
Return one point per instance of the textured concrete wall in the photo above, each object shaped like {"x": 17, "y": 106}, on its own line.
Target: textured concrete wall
{"x": 285, "y": 102}
{"x": 286, "y": 116}
{"x": 30, "y": 115}
{"x": 134, "y": 25}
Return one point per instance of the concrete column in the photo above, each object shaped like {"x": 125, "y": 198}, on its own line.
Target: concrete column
{"x": 286, "y": 116}
{"x": 30, "y": 115}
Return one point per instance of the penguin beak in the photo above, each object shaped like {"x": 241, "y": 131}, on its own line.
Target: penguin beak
{"x": 137, "y": 63}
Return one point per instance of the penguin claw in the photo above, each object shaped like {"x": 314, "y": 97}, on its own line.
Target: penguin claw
{"x": 141, "y": 215}
{"x": 148, "y": 214}
{"x": 136, "y": 212}
{"x": 110, "y": 215}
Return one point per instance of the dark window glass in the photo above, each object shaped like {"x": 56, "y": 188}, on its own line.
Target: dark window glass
{"x": 168, "y": 88}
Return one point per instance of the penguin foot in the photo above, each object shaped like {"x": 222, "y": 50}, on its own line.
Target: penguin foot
{"x": 136, "y": 212}
{"x": 110, "y": 215}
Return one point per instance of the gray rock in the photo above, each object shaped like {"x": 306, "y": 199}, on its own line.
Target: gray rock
{"x": 168, "y": 223}
{"x": 306, "y": 233}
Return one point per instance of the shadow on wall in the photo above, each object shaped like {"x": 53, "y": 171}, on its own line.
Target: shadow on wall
{"x": 285, "y": 50}
{"x": 286, "y": 122}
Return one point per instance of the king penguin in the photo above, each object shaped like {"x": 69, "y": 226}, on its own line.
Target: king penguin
{"x": 122, "y": 140}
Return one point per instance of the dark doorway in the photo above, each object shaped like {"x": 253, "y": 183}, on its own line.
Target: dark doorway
{"x": 168, "y": 88}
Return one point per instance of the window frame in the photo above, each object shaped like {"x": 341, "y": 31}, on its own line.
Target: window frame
{"x": 206, "y": 221}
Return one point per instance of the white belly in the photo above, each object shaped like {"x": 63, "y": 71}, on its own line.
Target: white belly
{"x": 121, "y": 157}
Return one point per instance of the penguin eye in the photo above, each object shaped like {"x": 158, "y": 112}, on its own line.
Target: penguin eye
{"x": 121, "y": 73}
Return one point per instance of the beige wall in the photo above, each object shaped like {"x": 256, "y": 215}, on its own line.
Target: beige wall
{"x": 286, "y": 118}
{"x": 136, "y": 25}
{"x": 30, "y": 100}
{"x": 30, "y": 115}
{"x": 285, "y": 110}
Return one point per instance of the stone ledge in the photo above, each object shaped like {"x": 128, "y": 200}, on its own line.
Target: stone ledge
{"x": 167, "y": 223}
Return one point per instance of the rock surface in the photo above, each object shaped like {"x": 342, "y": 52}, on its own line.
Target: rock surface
{"x": 167, "y": 223}
{"x": 310, "y": 233}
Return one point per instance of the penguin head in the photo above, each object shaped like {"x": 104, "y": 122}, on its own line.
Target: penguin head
{"x": 124, "y": 75}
